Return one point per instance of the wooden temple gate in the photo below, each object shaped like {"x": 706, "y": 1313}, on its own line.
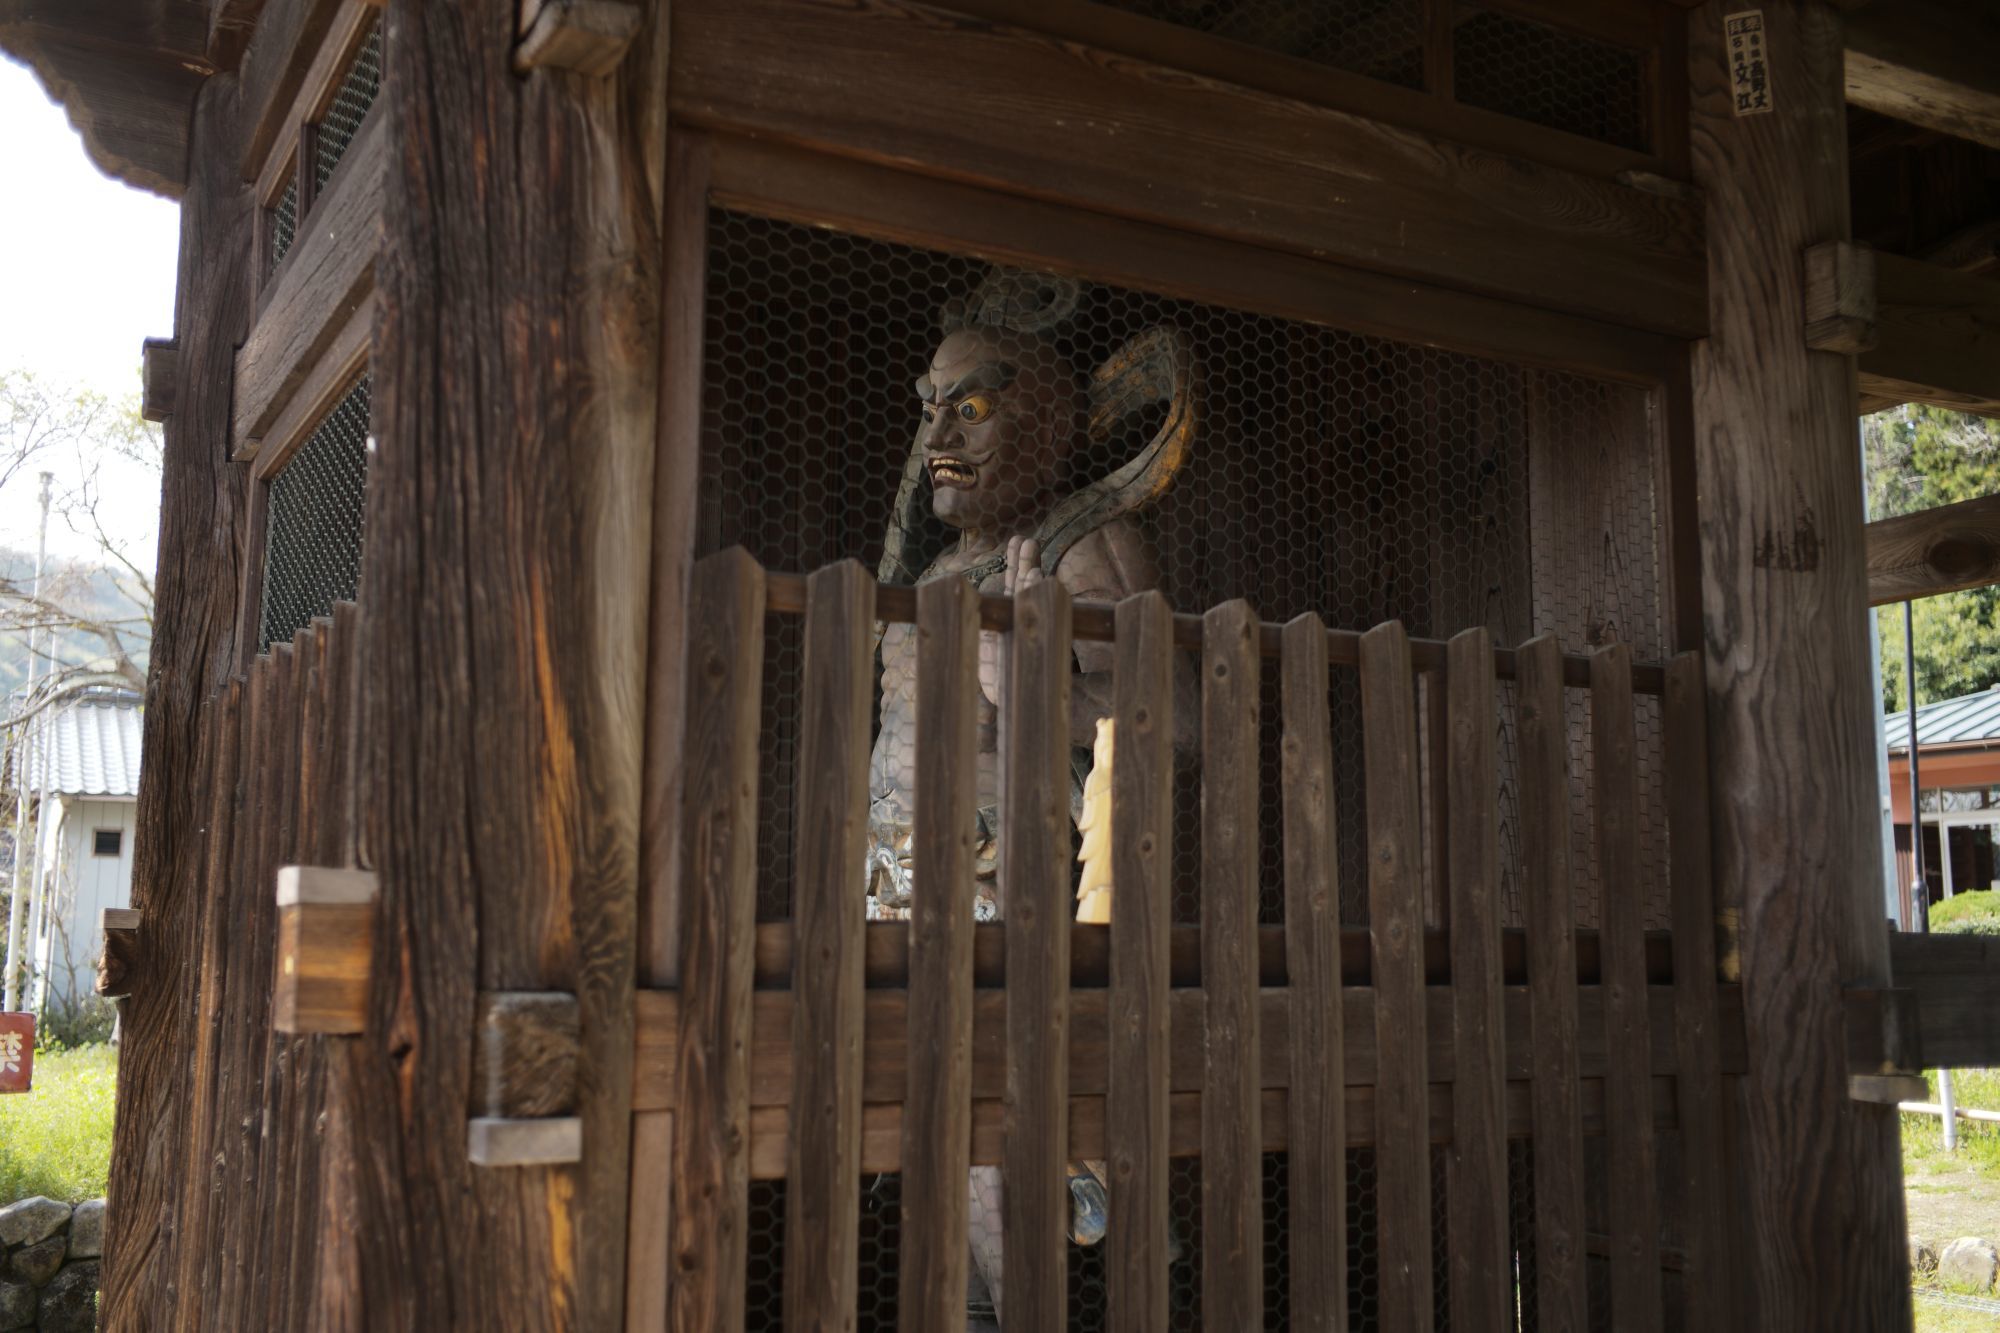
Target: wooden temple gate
{"x": 567, "y": 989}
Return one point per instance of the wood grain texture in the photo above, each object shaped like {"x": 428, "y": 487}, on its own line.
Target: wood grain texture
{"x": 288, "y": 35}
{"x": 1318, "y": 1160}
{"x": 506, "y": 588}
{"x": 1035, "y": 899}
{"x": 1395, "y": 927}
{"x": 1937, "y": 337}
{"x": 1551, "y": 920}
{"x": 201, "y": 542}
{"x": 524, "y": 1062}
{"x": 1482, "y": 1278}
{"x": 1921, "y": 61}
{"x": 938, "y": 1127}
{"x": 159, "y": 378}
{"x": 1137, "y": 1244}
{"x": 1790, "y": 723}
{"x": 709, "y": 1236}
{"x": 1633, "y": 1182}
{"x": 823, "y": 1176}
{"x": 1955, "y": 981}
{"x": 1118, "y": 135}
{"x": 1932, "y": 551}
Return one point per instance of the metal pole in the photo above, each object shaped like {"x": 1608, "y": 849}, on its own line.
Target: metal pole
{"x": 1921, "y": 899}
{"x": 11, "y": 998}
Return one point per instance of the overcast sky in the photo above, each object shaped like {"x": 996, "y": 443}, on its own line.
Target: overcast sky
{"x": 87, "y": 270}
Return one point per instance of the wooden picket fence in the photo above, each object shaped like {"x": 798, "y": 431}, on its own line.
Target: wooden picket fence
{"x": 826, "y": 1047}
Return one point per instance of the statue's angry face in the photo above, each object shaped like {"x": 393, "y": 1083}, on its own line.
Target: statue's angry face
{"x": 1000, "y": 411}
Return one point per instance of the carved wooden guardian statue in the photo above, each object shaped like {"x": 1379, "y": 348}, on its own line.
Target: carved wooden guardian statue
{"x": 998, "y": 461}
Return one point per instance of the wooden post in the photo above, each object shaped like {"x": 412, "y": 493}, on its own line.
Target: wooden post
{"x": 1795, "y": 828}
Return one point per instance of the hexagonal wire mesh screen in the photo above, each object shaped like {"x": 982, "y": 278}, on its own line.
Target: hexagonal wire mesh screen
{"x": 283, "y": 222}
{"x": 1382, "y": 39}
{"x": 313, "y": 514}
{"x": 349, "y": 107}
{"x": 1319, "y": 470}
{"x": 1551, "y": 76}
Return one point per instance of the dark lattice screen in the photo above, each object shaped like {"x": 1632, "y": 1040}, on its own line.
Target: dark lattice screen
{"x": 312, "y": 535}
{"x": 349, "y": 107}
{"x": 1380, "y": 38}
{"x": 283, "y": 220}
{"x": 1352, "y": 476}
{"x": 1566, "y": 81}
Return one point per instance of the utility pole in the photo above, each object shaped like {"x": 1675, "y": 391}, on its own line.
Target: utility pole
{"x": 15, "y": 961}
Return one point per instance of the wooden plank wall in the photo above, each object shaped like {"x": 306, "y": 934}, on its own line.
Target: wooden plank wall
{"x": 833, "y": 1070}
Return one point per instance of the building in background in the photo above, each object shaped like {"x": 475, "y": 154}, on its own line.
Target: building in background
{"x": 82, "y": 769}
{"x": 1958, "y": 767}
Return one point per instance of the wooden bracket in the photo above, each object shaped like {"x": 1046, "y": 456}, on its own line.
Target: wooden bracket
{"x": 1887, "y": 1089}
{"x": 495, "y": 1141}
{"x": 326, "y": 932}
{"x": 1840, "y": 298}
{"x": 159, "y": 377}
{"x": 524, "y": 1055}
{"x": 583, "y": 36}
{"x": 121, "y": 952}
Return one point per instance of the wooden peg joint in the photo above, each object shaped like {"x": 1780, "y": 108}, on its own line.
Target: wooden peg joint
{"x": 525, "y": 1054}
{"x": 1840, "y": 298}
{"x": 583, "y": 36}
{"x": 120, "y": 961}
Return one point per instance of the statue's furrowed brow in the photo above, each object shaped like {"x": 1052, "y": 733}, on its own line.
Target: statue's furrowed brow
{"x": 985, "y": 375}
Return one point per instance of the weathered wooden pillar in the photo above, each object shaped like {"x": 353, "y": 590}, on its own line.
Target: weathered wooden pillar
{"x": 1796, "y": 833}
{"x": 505, "y": 597}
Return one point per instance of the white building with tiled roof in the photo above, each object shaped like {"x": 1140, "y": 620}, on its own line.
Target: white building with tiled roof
{"x": 82, "y": 769}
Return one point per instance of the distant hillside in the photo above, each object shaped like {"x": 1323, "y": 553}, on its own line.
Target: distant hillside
{"x": 86, "y": 590}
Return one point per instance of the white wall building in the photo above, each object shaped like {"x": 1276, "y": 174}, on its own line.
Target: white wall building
{"x": 82, "y": 767}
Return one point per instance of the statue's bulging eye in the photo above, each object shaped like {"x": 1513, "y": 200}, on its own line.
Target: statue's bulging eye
{"x": 930, "y": 413}
{"x": 975, "y": 409}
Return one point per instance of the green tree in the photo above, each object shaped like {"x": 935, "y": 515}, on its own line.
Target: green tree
{"x": 1920, "y": 457}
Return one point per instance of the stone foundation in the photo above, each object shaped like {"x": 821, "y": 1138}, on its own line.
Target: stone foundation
{"x": 48, "y": 1265}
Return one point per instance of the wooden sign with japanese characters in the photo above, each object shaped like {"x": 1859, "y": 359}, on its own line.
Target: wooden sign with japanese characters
{"x": 17, "y": 1052}
{"x": 1749, "y": 71}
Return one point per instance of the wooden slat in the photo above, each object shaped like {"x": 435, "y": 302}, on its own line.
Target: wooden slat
{"x": 709, "y": 1240}
{"x": 882, "y": 1133}
{"x": 1482, "y": 1276}
{"x": 1142, "y": 813}
{"x": 1551, "y": 919}
{"x": 1035, "y": 898}
{"x": 887, "y": 1055}
{"x": 1955, "y": 980}
{"x": 1396, "y": 928}
{"x": 1633, "y": 1188}
{"x": 937, "y": 1128}
{"x": 1937, "y": 550}
{"x": 1232, "y": 1178}
{"x": 1114, "y": 135}
{"x": 1927, "y": 62}
{"x": 1318, "y": 1159}
{"x": 1708, "y": 1224}
{"x": 823, "y": 1179}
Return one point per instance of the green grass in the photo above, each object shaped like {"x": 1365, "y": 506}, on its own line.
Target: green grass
{"x": 1978, "y": 1143}
{"x": 56, "y": 1140}
{"x": 1935, "y": 1318}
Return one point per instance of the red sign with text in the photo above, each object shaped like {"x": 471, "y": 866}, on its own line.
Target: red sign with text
{"x": 17, "y": 1052}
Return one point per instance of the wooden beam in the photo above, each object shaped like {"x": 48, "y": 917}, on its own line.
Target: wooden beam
{"x": 1937, "y": 337}
{"x": 1064, "y": 123}
{"x": 326, "y": 926}
{"x": 887, "y": 1052}
{"x": 1928, "y": 62}
{"x": 121, "y": 949}
{"x": 524, "y": 1058}
{"x": 583, "y": 36}
{"x": 1937, "y": 550}
{"x": 1955, "y": 980}
{"x": 1784, "y": 589}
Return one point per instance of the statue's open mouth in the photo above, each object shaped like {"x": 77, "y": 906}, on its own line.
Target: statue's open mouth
{"x": 952, "y": 472}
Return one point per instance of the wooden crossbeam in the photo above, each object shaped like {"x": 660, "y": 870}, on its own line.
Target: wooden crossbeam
{"x": 1922, "y": 332}
{"x": 1955, "y": 980}
{"x": 1927, "y": 62}
{"x": 1938, "y": 550}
